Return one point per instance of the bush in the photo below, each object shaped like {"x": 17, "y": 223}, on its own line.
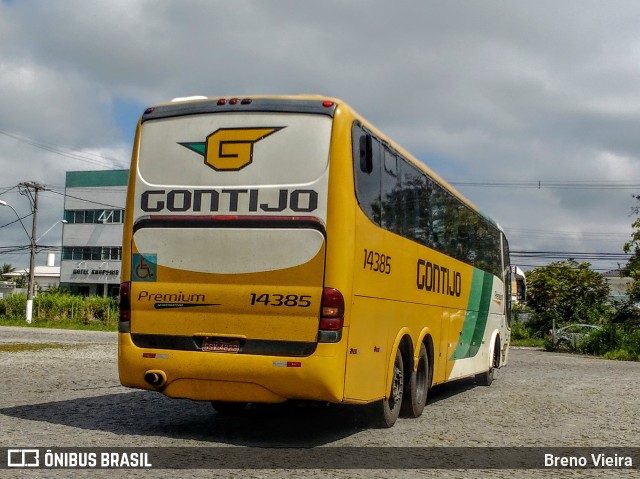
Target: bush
{"x": 60, "y": 308}
{"x": 612, "y": 340}
{"x": 621, "y": 355}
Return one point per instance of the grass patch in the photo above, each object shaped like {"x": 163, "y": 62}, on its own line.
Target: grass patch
{"x": 528, "y": 342}
{"x": 97, "y": 326}
{"x": 31, "y": 347}
{"x": 61, "y": 310}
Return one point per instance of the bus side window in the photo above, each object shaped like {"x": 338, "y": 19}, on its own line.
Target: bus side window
{"x": 366, "y": 167}
{"x": 413, "y": 182}
{"x": 366, "y": 154}
{"x": 392, "y": 204}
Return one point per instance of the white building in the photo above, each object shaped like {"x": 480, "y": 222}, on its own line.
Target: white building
{"x": 618, "y": 285}
{"x": 92, "y": 237}
{"x": 45, "y": 277}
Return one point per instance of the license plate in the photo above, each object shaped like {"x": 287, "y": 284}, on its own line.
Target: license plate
{"x": 221, "y": 345}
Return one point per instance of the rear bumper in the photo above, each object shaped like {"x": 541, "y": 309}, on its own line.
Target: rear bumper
{"x": 235, "y": 377}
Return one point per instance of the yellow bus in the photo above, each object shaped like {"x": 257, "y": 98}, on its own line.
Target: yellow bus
{"x": 282, "y": 248}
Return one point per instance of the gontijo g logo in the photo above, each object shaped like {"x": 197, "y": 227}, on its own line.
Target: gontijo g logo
{"x": 230, "y": 149}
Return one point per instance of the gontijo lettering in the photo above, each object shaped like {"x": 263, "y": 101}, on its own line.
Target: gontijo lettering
{"x": 228, "y": 200}
{"x": 438, "y": 279}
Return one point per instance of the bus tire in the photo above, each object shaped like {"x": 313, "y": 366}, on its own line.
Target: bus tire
{"x": 383, "y": 414}
{"x": 486, "y": 378}
{"x": 417, "y": 390}
{"x": 229, "y": 408}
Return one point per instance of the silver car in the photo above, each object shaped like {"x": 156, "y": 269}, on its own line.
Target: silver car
{"x": 568, "y": 336}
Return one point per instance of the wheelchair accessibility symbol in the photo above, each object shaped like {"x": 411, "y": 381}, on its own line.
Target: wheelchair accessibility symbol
{"x": 144, "y": 267}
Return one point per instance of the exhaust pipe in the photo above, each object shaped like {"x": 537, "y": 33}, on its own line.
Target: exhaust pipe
{"x": 155, "y": 378}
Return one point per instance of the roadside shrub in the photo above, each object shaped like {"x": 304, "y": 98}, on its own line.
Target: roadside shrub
{"x": 518, "y": 331}
{"x": 60, "y": 307}
{"x": 612, "y": 340}
{"x": 621, "y": 355}
{"x": 13, "y": 306}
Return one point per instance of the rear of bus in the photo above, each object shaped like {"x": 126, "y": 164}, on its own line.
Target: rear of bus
{"x": 223, "y": 295}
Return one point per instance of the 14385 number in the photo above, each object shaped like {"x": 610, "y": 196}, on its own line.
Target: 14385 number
{"x": 288, "y": 300}
{"x": 374, "y": 261}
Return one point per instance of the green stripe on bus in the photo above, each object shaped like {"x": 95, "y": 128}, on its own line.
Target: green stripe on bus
{"x": 475, "y": 320}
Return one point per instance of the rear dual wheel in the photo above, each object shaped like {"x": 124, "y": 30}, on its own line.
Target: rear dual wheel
{"x": 383, "y": 414}
{"x": 417, "y": 388}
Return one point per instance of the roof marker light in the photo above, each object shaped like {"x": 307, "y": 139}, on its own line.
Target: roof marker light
{"x": 233, "y": 101}
{"x": 327, "y": 103}
{"x": 246, "y": 101}
{"x": 222, "y": 101}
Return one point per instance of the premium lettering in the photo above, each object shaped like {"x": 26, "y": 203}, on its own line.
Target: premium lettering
{"x": 178, "y": 297}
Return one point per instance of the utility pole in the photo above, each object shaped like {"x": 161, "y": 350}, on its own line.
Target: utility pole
{"x": 25, "y": 189}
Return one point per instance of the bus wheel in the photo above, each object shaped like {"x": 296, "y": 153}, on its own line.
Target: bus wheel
{"x": 384, "y": 413}
{"x": 417, "y": 387}
{"x": 229, "y": 408}
{"x": 486, "y": 378}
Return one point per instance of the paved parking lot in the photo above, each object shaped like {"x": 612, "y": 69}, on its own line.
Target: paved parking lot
{"x": 61, "y": 389}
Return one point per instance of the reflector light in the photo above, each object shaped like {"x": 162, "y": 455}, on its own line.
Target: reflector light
{"x": 331, "y": 324}
{"x": 327, "y": 103}
{"x": 125, "y": 301}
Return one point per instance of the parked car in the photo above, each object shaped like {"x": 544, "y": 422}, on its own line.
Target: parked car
{"x": 568, "y": 336}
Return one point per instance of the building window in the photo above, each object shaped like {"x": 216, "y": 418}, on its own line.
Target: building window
{"x": 94, "y": 216}
{"x": 95, "y": 253}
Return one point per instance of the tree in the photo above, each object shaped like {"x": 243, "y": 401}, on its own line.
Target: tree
{"x": 632, "y": 269}
{"x": 6, "y": 268}
{"x": 567, "y": 292}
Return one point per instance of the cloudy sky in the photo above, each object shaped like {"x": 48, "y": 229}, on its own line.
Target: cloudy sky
{"x": 531, "y": 108}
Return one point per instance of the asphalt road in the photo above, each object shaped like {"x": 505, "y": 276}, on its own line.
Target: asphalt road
{"x": 60, "y": 389}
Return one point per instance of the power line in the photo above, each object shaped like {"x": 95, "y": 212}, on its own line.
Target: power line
{"x": 571, "y": 254}
{"x": 572, "y": 185}
{"x": 83, "y": 199}
{"x": 15, "y": 221}
{"x": 109, "y": 163}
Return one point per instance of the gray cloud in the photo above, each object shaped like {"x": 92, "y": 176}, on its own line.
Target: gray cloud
{"x": 485, "y": 91}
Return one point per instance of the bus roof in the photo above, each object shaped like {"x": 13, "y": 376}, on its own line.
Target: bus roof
{"x": 312, "y": 104}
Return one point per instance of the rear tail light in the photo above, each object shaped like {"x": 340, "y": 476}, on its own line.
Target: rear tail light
{"x": 124, "y": 326}
{"x": 331, "y": 316}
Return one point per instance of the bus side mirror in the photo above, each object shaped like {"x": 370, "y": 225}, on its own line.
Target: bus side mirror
{"x": 366, "y": 154}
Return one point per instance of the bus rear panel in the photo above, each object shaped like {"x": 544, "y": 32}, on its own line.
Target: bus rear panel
{"x": 226, "y": 239}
